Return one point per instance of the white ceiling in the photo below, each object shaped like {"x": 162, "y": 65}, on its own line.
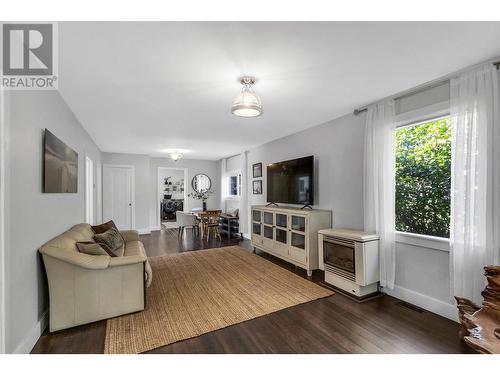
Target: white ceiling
{"x": 145, "y": 87}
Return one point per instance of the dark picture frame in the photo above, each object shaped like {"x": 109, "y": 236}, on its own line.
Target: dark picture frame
{"x": 257, "y": 187}
{"x": 257, "y": 170}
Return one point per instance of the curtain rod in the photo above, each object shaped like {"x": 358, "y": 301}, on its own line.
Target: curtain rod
{"x": 417, "y": 89}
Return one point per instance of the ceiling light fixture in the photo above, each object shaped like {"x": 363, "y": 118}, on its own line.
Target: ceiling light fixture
{"x": 175, "y": 156}
{"x": 247, "y": 103}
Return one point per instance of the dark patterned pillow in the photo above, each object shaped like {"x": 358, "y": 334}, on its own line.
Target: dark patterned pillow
{"x": 93, "y": 248}
{"x": 110, "y": 240}
{"x": 101, "y": 228}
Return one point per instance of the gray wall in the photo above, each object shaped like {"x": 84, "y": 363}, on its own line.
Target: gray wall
{"x": 338, "y": 150}
{"x": 146, "y": 184}
{"x": 32, "y": 217}
{"x": 208, "y": 167}
{"x": 422, "y": 273}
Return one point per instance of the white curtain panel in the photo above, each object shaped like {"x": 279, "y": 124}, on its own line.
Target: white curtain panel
{"x": 379, "y": 184}
{"x": 243, "y": 208}
{"x": 475, "y": 191}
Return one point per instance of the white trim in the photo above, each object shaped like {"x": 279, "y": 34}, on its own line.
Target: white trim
{"x": 424, "y": 114}
{"x": 144, "y": 231}
{"x": 159, "y": 195}
{"x": 33, "y": 335}
{"x": 420, "y": 240}
{"x": 106, "y": 165}
{"x": 155, "y": 228}
{"x": 426, "y": 302}
{"x": 91, "y": 206}
{"x": 3, "y": 165}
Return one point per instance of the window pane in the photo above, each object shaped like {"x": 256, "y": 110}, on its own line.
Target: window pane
{"x": 423, "y": 178}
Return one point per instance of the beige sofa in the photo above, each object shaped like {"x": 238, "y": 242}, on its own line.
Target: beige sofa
{"x": 87, "y": 288}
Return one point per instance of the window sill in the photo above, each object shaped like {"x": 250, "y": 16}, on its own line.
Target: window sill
{"x": 420, "y": 240}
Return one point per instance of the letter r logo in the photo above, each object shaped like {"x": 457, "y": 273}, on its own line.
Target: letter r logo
{"x": 27, "y": 49}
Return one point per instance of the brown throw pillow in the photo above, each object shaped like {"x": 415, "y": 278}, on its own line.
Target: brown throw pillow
{"x": 98, "y": 229}
{"x": 93, "y": 248}
{"x": 110, "y": 240}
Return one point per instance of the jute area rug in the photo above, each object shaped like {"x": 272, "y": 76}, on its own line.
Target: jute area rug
{"x": 201, "y": 291}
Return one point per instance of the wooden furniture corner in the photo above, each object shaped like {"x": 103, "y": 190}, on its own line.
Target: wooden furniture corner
{"x": 481, "y": 325}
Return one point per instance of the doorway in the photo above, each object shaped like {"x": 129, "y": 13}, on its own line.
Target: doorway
{"x": 172, "y": 195}
{"x": 118, "y": 194}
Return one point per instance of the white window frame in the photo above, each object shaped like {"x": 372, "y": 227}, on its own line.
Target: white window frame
{"x": 413, "y": 118}
{"x": 236, "y": 174}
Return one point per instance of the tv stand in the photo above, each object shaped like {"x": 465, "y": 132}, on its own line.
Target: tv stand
{"x": 289, "y": 233}
{"x": 272, "y": 204}
{"x": 306, "y": 206}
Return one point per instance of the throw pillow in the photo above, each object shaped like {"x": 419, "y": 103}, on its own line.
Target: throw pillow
{"x": 93, "y": 248}
{"x": 233, "y": 212}
{"x": 98, "y": 229}
{"x": 110, "y": 240}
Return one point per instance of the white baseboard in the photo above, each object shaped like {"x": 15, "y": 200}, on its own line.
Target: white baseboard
{"x": 33, "y": 335}
{"x": 426, "y": 302}
{"x": 155, "y": 228}
{"x": 144, "y": 231}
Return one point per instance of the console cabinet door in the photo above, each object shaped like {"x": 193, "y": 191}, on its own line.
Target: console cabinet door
{"x": 257, "y": 227}
{"x": 298, "y": 238}
{"x": 281, "y": 238}
{"x": 268, "y": 230}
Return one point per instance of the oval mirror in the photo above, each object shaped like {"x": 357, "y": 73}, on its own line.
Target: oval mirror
{"x": 201, "y": 183}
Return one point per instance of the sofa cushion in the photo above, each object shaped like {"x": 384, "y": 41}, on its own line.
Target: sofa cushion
{"x": 111, "y": 239}
{"x": 101, "y": 228}
{"x": 93, "y": 248}
{"x": 67, "y": 240}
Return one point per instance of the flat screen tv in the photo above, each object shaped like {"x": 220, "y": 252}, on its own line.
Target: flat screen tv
{"x": 60, "y": 166}
{"x": 291, "y": 181}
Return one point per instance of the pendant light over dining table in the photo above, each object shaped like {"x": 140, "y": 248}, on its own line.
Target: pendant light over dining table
{"x": 247, "y": 103}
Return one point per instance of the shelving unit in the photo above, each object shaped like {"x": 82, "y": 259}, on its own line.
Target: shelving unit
{"x": 229, "y": 225}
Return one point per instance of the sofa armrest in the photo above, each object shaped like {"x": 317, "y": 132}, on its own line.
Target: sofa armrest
{"x": 130, "y": 235}
{"x": 92, "y": 262}
{"x": 125, "y": 260}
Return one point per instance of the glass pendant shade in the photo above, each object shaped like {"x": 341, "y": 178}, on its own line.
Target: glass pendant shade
{"x": 175, "y": 156}
{"x": 247, "y": 103}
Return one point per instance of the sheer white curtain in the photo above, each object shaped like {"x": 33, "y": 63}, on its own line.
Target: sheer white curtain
{"x": 475, "y": 194}
{"x": 379, "y": 181}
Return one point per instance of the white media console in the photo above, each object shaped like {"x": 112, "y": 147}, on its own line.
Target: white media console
{"x": 290, "y": 233}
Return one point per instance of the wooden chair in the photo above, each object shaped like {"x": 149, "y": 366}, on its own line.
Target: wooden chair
{"x": 210, "y": 223}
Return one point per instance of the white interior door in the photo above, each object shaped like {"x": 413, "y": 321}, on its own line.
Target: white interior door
{"x": 117, "y": 197}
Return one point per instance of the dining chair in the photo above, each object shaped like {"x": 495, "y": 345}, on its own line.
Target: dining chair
{"x": 184, "y": 220}
{"x": 210, "y": 222}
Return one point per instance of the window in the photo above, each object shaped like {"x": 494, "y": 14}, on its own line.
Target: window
{"x": 423, "y": 178}
{"x": 234, "y": 185}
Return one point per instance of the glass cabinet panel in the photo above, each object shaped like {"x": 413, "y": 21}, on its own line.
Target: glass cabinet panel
{"x": 268, "y": 232}
{"x": 298, "y": 240}
{"x": 299, "y": 223}
{"x": 256, "y": 215}
{"x": 268, "y": 218}
{"x": 256, "y": 229}
{"x": 281, "y": 235}
{"x": 281, "y": 220}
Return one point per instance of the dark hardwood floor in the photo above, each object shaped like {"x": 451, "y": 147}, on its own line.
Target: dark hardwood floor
{"x": 335, "y": 324}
